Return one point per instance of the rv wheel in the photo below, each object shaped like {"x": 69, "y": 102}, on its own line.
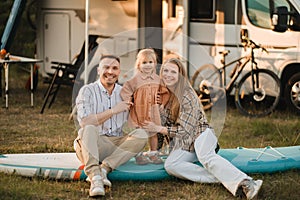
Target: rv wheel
{"x": 292, "y": 93}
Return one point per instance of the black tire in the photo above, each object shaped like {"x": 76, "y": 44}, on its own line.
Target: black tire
{"x": 292, "y": 93}
{"x": 207, "y": 83}
{"x": 265, "y": 98}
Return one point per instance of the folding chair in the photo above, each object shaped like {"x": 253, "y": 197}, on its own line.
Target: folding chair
{"x": 65, "y": 73}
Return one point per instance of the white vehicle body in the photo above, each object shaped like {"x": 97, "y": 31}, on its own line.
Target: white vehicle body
{"x": 218, "y": 28}
{"x": 195, "y": 30}
{"x": 61, "y": 32}
{"x": 214, "y": 26}
{"x": 61, "y": 29}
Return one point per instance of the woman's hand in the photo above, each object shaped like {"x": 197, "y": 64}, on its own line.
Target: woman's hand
{"x": 158, "y": 98}
{"x": 153, "y": 128}
{"x": 161, "y": 108}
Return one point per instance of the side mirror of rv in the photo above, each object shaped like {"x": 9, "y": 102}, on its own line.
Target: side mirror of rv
{"x": 280, "y": 19}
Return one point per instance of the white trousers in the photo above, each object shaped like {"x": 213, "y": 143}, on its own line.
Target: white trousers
{"x": 180, "y": 163}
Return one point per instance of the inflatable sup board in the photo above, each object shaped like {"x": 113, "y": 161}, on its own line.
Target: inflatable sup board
{"x": 66, "y": 166}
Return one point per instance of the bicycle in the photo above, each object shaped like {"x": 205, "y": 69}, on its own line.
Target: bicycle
{"x": 257, "y": 92}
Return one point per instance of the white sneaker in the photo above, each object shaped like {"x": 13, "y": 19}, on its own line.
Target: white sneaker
{"x": 251, "y": 188}
{"x": 105, "y": 180}
{"x": 97, "y": 188}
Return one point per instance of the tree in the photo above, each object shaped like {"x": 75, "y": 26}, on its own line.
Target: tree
{"x": 24, "y": 41}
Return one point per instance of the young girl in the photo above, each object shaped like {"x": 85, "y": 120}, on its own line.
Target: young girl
{"x": 142, "y": 90}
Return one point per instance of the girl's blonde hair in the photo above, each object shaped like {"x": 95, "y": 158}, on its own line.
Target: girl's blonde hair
{"x": 145, "y": 53}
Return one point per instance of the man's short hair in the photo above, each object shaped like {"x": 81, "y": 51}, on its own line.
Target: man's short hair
{"x": 110, "y": 56}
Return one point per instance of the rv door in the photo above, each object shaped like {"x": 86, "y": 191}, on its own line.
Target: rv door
{"x": 56, "y": 41}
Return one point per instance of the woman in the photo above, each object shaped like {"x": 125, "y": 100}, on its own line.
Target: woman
{"x": 192, "y": 138}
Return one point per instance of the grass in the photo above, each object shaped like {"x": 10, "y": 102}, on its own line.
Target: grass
{"x": 23, "y": 129}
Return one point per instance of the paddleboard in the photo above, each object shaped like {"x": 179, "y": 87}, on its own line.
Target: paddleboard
{"x": 66, "y": 166}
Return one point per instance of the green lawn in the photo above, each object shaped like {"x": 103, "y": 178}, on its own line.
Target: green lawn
{"x": 23, "y": 129}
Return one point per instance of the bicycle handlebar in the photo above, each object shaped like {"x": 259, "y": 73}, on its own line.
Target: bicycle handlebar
{"x": 253, "y": 45}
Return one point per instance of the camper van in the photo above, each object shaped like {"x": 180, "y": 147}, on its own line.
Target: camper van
{"x": 210, "y": 27}
{"x": 61, "y": 30}
{"x": 194, "y": 30}
{"x": 275, "y": 24}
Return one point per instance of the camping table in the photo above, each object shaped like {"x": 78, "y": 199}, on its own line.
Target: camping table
{"x": 21, "y": 60}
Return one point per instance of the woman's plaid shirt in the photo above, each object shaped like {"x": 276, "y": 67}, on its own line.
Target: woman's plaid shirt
{"x": 191, "y": 122}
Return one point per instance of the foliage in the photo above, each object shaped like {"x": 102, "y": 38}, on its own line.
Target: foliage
{"x": 24, "y": 41}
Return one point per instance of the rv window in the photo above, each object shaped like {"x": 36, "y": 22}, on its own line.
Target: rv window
{"x": 225, "y": 12}
{"x": 202, "y": 10}
{"x": 258, "y": 12}
{"x": 294, "y": 23}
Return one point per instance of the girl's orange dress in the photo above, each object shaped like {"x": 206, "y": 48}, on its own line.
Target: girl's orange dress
{"x": 142, "y": 91}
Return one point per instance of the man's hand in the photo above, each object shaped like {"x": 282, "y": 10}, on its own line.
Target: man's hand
{"x": 121, "y": 107}
{"x": 97, "y": 119}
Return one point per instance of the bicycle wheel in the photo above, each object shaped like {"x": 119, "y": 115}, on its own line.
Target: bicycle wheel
{"x": 260, "y": 98}
{"x": 206, "y": 81}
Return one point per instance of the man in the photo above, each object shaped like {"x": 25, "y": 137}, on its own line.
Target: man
{"x": 101, "y": 145}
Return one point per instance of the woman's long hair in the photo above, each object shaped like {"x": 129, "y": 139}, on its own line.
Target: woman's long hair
{"x": 182, "y": 84}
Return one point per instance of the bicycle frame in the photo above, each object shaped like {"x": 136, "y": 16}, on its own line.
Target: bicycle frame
{"x": 252, "y": 98}
{"x": 230, "y": 85}
{"x": 241, "y": 66}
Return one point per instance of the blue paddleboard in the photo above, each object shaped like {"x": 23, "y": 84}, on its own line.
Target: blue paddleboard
{"x": 65, "y": 166}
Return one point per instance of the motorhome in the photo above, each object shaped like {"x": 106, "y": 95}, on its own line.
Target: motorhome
{"x": 196, "y": 30}
{"x": 275, "y": 24}
{"x": 61, "y": 29}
